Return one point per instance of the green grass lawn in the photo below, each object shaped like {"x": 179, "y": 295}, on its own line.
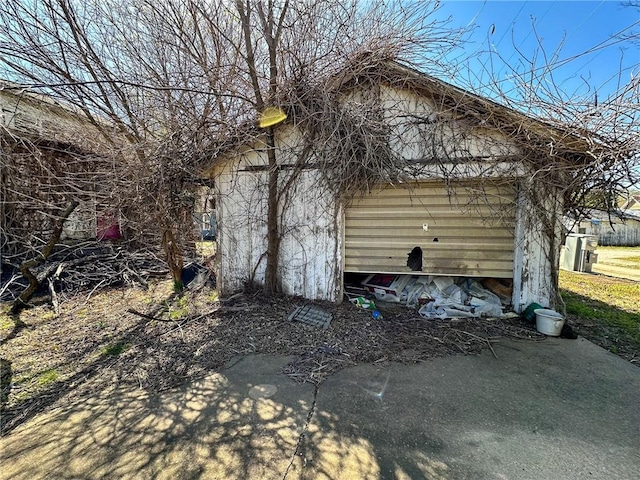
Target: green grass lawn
{"x": 605, "y": 310}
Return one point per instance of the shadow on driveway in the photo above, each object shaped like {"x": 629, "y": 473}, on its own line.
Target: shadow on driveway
{"x": 551, "y": 409}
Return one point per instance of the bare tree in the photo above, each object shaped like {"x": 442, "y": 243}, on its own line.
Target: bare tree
{"x": 131, "y": 73}
{"x": 164, "y": 82}
{"x": 168, "y": 84}
{"x": 291, "y": 50}
{"x": 589, "y": 156}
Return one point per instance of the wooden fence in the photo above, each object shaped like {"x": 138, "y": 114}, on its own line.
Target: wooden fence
{"x": 624, "y": 236}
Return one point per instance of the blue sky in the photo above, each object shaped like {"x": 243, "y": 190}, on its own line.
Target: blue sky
{"x": 584, "y": 25}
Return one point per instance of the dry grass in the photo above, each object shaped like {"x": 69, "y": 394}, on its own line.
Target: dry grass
{"x": 628, "y": 257}
{"x": 96, "y": 344}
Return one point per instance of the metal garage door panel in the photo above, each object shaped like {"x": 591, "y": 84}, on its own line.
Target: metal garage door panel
{"x": 456, "y": 238}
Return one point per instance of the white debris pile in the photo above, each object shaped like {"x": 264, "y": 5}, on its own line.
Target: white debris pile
{"x": 437, "y": 297}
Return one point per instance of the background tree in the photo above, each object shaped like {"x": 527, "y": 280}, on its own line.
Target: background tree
{"x": 131, "y": 72}
{"x": 168, "y": 83}
{"x": 164, "y": 82}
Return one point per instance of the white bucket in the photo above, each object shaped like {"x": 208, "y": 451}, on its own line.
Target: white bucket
{"x": 549, "y": 322}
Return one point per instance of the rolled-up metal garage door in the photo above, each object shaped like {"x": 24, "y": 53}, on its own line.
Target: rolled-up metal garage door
{"x": 459, "y": 232}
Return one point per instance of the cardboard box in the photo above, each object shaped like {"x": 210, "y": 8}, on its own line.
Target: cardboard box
{"x": 386, "y": 284}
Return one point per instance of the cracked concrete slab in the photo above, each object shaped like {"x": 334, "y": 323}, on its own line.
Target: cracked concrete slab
{"x": 551, "y": 409}
{"x": 209, "y": 429}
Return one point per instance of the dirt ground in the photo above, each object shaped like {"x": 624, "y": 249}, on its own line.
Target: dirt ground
{"x": 96, "y": 341}
{"x": 154, "y": 339}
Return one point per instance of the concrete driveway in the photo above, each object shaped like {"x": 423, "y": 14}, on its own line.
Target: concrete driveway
{"x": 556, "y": 409}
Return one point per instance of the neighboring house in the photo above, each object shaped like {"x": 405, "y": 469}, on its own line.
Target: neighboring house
{"x": 447, "y": 227}
{"x": 48, "y": 159}
{"x": 204, "y": 214}
{"x": 633, "y": 203}
{"x": 621, "y": 229}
